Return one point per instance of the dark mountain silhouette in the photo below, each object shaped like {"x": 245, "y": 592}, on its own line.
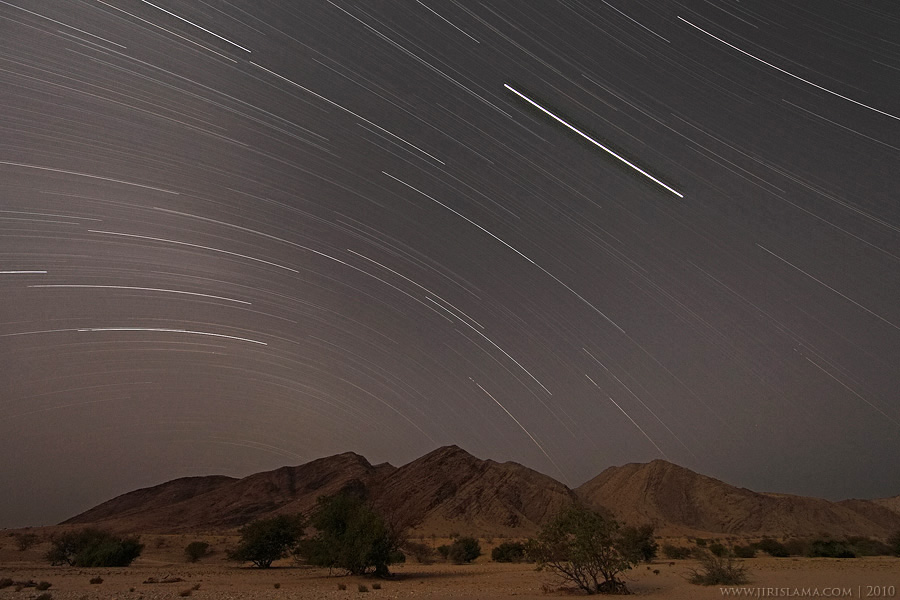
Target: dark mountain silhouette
{"x": 222, "y": 503}
{"x": 451, "y": 490}
{"x": 449, "y": 487}
{"x": 679, "y": 501}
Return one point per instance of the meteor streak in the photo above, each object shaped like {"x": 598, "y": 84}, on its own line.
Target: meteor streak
{"x": 592, "y": 140}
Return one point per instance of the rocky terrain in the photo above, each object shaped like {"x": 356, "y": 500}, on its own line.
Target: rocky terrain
{"x": 450, "y": 490}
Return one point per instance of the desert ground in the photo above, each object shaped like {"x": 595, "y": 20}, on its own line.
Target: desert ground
{"x": 215, "y": 577}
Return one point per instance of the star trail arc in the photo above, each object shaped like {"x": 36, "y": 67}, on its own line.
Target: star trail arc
{"x": 239, "y": 234}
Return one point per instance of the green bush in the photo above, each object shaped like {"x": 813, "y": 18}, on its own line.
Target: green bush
{"x": 443, "y": 550}
{"x": 421, "y": 552}
{"x": 893, "y": 543}
{"x": 748, "y": 551}
{"x": 676, "y": 552}
{"x": 640, "y": 540}
{"x": 508, "y": 552}
{"x": 830, "y": 549}
{"x": 26, "y": 540}
{"x": 864, "y": 546}
{"x": 196, "y": 550}
{"x": 586, "y": 548}
{"x": 717, "y": 549}
{"x": 716, "y": 570}
{"x": 266, "y": 540}
{"x": 772, "y": 547}
{"x": 464, "y": 550}
{"x": 351, "y": 536}
{"x": 796, "y": 547}
{"x": 93, "y": 548}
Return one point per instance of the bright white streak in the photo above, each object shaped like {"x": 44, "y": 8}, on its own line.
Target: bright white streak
{"x": 162, "y": 330}
{"x": 170, "y": 32}
{"x": 22, "y": 272}
{"x": 820, "y": 282}
{"x": 148, "y": 187}
{"x": 649, "y": 439}
{"x": 768, "y": 64}
{"x": 419, "y": 286}
{"x": 549, "y": 274}
{"x": 536, "y": 443}
{"x": 449, "y": 23}
{"x": 321, "y": 97}
{"x": 636, "y": 397}
{"x": 147, "y": 237}
{"x": 852, "y": 391}
{"x": 505, "y": 353}
{"x": 592, "y": 140}
{"x": 61, "y": 23}
{"x": 195, "y": 25}
{"x": 143, "y": 289}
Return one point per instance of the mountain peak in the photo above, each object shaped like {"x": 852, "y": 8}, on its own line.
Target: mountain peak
{"x": 448, "y": 489}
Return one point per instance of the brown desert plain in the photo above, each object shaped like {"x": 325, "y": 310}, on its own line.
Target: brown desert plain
{"x": 447, "y": 493}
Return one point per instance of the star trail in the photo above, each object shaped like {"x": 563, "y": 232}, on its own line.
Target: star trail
{"x": 236, "y": 235}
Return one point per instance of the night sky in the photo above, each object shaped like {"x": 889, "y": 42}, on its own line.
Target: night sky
{"x": 236, "y": 235}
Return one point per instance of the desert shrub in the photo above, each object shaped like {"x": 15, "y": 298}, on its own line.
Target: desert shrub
{"x": 772, "y": 547}
{"x": 700, "y": 542}
{"x": 586, "y": 548}
{"x": 185, "y": 593}
{"x": 716, "y": 570}
{"x": 796, "y": 547}
{"x": 419, "y": 551}
{"x": 464, "y": 550}
{"x": 93, "y": 548}
{"x": 351, "y": 536}
{"x": 44, "y": 596}
{"x": 673, "y": 552}
{"x": 443, "y": 550}
{"x": 43, "y": 585}
{"x": 508, "y": 552}
{"x": 96, "y": 580}
{"x": 641, "y": 541}
{"x": 717, "y": 549}
{"x": 361, "y": 588}
{"x": 864, "y": 546}
{"x": 5, "y": 582}
{"x": 748, "y": 551}
{"x": 342, "y": 586}
{"x": 25, "y": 540}
{"x": 830, "y": 549}
{"x": 276, "y": 586}
{"x": 376, "y": 586}
{"x": 196, "y": 550}
{"x": 266, "y": 540}
{"x": 893, "y": 543}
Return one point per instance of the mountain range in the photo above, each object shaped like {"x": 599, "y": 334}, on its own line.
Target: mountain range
{"x": 449, "y": 490}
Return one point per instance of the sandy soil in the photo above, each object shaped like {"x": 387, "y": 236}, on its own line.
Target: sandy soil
{"x": 214, "y": 577}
